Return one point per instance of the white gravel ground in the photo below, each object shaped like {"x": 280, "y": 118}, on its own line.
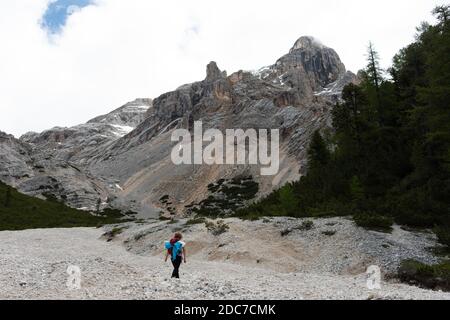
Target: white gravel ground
{"x": 33, "y": 263}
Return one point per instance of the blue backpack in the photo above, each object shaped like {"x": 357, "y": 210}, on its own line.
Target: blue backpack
{"x": 174, "y": 249}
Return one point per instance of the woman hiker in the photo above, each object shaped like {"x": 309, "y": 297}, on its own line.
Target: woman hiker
{"x": 175, "y": 248}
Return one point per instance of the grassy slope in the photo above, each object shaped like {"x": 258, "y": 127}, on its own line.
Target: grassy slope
{"x": 25, "y": 212}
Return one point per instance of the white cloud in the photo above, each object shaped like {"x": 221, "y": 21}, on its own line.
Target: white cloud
{"x": 119, "y": 50}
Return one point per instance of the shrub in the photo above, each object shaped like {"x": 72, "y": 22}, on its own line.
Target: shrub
{"x": 110, "y": 212}
{"x": 164, "y": 198}
{"x": 110, "y": 235}
{"x": 227, "y": 196}
{"x": 217, "y": 228}
{"x": 443, "y": 234}
{"x": 251, "y": 217}
{"x": 285, "y": 232}
{"x": 117, "y": 230}
{"x": 196, "y": 220}
{"x": 374, "y": 222}
{"x": 329, "y": 232}
{"x": 428, "y": 276}
{"x": 306, "y": 225}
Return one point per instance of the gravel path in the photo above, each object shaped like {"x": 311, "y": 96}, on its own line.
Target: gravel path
{"x": 33, "y": 265}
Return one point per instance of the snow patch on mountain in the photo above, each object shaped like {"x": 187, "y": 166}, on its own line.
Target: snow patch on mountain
{"x": 122, "y": 130}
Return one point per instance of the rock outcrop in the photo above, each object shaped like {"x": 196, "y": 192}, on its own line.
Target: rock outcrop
{"x": 53, "y": 162}
{"x": 15, "y": 159}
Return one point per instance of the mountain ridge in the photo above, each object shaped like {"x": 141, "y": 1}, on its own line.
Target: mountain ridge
{"x": 123, "y": 157}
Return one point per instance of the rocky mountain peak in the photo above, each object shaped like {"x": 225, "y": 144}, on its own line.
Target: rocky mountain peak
{"x": 213, "y": 72}
{"x": 307, "y": 43}
{"x": 308, "y": 68}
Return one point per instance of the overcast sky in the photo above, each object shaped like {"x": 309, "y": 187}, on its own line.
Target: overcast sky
{"x": 63, "y": 62}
